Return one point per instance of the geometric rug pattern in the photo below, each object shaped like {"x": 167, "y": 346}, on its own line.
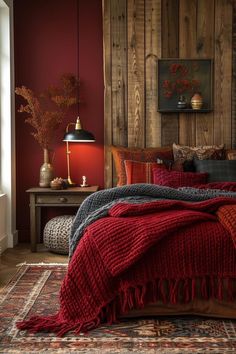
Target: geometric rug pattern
{"x": 34, "y": 290}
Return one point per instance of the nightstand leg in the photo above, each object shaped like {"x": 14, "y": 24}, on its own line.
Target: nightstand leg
{"x": 32, "y": 224}
{"x": 38, "y": 223}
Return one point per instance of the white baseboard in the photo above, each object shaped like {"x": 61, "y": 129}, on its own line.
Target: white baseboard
{"x": 15, "y": 238}
{"x": 8, "y": 242}
{"x": 3, "y": 244}
{"x": 12, "y": 239}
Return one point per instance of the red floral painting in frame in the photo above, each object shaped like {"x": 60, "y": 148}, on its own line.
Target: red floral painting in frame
{"x": 184, "y": 77}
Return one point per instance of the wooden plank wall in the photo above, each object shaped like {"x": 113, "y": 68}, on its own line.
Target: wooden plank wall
{"x": 234, "y": 78}
{"x": 136, "y": 34}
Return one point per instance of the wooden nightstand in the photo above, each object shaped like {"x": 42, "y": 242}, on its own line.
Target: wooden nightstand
{"x": 47, "y": 197}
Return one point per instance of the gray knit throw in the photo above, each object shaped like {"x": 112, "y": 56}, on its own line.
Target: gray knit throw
{"x": 98, "y": 204}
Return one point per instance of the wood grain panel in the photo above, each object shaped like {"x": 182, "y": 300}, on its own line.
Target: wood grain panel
{"x": 108, "y": 173}
{"x": 170, "y": 49}
{"x": 223, "y": 72}
{"x": 205, "y": 49}
{"x": 119, "y": 72}
{"x": 136, "y": 97}
{"x": 136, "y": 33}
{"x": 169, "y": 129}
{"x": 187, "y": 49}
{"x": 170, "y": 28}
{"x": 234, "y": 76}
{"x": 152, "y": 52}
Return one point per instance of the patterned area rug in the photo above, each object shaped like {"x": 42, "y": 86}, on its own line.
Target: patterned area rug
{"x": 35, "y": 288}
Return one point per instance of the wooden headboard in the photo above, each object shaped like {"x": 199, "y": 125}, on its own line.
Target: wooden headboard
{"x": 137, "y": 33}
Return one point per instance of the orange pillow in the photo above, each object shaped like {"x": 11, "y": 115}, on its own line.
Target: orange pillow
{"x": 120, "y": 154}
{"x": 140, "y": 172}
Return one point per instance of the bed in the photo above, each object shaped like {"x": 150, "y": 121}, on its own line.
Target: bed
{"x": 145, "y": 249}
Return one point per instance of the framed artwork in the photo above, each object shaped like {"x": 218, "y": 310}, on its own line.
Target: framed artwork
{"x": 179, "y": 80}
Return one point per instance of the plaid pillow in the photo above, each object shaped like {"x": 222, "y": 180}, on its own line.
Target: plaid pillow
{"x": 177, "y": 179}
{"x": 218, "y": 170}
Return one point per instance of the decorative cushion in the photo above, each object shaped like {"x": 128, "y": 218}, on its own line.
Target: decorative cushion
{"x": 56, "y": 233}
{"x": 120, "y": 154}
{"x": 213, "y": 152}
{"x": 140, "y": 172}
{"x": 172, "y": 165}
{"x": 177, "y": 179}
{"x": 218, "y": 170}
{"x": 231, "y": 155}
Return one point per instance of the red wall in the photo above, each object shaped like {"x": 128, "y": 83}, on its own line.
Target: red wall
{"x": 53, "y": 37}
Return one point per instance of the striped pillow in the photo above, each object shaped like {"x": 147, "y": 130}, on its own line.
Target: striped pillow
{"x": 140, "y": 172}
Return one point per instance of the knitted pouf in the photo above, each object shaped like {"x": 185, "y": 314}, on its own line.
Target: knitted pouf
{"x": 56, "y": 233}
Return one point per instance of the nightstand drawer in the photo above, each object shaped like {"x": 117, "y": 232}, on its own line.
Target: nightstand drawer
{"x": 60, "y": 199}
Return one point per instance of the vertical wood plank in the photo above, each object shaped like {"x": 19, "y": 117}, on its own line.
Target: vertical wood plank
{"x": 187, "y": 49}
{"x": 108, "y": 174}
{"x": 170, "y": 28}
{"x": 223, "y": 72}
{"x": 119, "y": 75}
{"x": 136, "y": 97}
{"x": 152, "y": 52}
{"x": 170, "y": 49}
{"x": 205, "y": 49}
{"x": 234, "y": 77}
{"x": 119, "y": 72}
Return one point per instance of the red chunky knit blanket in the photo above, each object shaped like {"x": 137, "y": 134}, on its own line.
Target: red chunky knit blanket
{"x": 142, "y": 253}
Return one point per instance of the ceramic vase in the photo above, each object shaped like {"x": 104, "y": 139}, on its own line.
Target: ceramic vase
{"x": 46, "y": 171}
{"x": 197, "y": 101}
{"x": 182, "y": 102}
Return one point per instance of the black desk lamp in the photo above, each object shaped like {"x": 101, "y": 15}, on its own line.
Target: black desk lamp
{"x": 78, "y": 135}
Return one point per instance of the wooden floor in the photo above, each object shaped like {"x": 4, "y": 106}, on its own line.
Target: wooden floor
{"x": 20, "y": 254}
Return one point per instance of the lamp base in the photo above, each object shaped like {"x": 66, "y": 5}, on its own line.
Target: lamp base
{"x": 69, "y": 183}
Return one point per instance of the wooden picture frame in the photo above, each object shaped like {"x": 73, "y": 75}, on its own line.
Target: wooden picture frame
{"x": 184, "y": 77}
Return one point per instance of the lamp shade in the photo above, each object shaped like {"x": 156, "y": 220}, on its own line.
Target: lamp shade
{"x": 79, "y": 135}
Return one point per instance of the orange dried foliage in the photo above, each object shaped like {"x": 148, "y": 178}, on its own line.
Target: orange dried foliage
{"x": 46, "y": 112}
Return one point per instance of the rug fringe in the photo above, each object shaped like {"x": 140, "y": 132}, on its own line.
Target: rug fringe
{"x": 41, "y": 264}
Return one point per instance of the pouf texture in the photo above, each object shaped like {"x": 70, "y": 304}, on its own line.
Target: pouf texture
{"x": 56, "y": 234}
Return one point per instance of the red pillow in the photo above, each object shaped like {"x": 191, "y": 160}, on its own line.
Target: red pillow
{"x": 177, "y": 179}
{"x": 120, "y": 154}
{"x": 140, "y": 172}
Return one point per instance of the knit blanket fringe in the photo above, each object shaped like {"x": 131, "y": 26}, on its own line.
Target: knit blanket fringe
{"x": 163, "y": 290}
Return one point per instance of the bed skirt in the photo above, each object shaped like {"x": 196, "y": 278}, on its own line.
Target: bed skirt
{"x": 201, "y": 307}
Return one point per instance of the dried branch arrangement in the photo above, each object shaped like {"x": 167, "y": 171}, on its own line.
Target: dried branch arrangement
{"x": 47, "y": 110}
